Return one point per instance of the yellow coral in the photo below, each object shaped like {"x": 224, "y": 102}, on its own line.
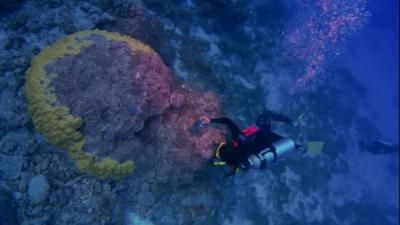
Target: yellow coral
{"x": 56, "y": 124}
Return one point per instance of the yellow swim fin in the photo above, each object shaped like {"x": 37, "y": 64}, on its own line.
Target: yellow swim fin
{"x": 314, "y": 148}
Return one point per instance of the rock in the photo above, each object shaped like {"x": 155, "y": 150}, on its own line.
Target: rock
{"x": 8, "y": 104}
{"x": 81, "y": 20}
{"x": 33, "y": 211}
{"x": 106, "y": 187}
{"x": 15, "y": 42}
{"x": 86, "y": 6}
{"x": 17, "y": 195}
{"x": 105, "y": 18}
{"x": 11, "y": 115}
{"x": 128, "y": 8}
{"x": 38, "y": 189}
{"x": 10, "y": 166}
{"x": 8, "y": 4}
{"x": 8, "y": 214}
{"x": 4, "y": 39}
{"x": 146, "y": 198}
{"x": 15, "y": 142}
{"x": 60, "y": 197}
{"x": 132, "y": 218}
{"x": 176, "y": 99}
{"x": 37, "y": 221}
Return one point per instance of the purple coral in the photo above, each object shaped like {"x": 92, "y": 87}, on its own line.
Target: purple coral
{"x": 132, "y": 109}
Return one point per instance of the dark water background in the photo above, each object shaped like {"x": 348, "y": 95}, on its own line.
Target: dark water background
{"x": 372, "y": 56}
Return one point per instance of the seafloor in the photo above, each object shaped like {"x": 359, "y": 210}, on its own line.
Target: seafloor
{"x": 253, "y": 55}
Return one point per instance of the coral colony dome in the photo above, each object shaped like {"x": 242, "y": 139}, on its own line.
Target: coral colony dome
{"x": 94, "y": 93}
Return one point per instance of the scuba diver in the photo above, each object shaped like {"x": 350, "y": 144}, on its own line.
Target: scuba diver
{"x": 254, "y": 147}
{"x": 378, "y": 147}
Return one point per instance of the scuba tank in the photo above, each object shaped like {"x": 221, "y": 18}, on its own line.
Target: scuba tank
{"x": 278, "y": 149}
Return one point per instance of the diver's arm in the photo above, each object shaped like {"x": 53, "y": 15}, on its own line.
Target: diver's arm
{"x": 276, "y": 116}
{"x": 229, "y": 123}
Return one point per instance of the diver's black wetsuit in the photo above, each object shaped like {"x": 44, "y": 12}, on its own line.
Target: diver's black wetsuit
{"x": 251, "y": 140}
{"x": 378, "y": 147}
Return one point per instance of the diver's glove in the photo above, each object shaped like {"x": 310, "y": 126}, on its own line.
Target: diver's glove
{"x": 204, "y": 120}
{"x": 199, "y": 124}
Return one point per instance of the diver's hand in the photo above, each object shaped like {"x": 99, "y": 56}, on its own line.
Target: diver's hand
{"x": 199, "y": 124}
{"x": 204, "y": 120}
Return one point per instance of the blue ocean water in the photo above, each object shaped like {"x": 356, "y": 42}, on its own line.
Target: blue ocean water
{"x": 371, "y": 56}
{"x": 330, "y": 66}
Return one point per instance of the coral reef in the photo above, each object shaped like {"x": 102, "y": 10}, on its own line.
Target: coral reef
{"x": 56, "y": 123}
{"x": 94, "y": 93}
{"x": 236, "y": 49}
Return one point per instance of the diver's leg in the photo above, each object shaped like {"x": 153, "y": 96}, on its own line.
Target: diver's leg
{"x": 301, "y": 142}
{"x": 301, "y": 148}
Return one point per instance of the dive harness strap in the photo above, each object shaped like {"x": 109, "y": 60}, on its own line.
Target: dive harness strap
{"x": 235, "y": 169}
{"x": 217, "y": 155}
